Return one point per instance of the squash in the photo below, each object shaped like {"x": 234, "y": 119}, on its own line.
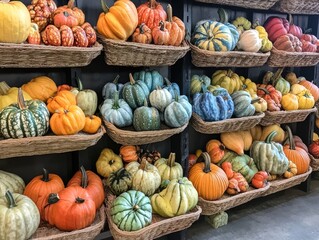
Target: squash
{"x": 256, "y": 132}
{"x": 291, "y": 78}
{"x": 178, "y": 112}
{"x": 119, "y": 181}
{"x": 131, "y": 211}
{"x": 266, "y": 45}
{"x": 279, "y": 137}
{"x": 67, "y": 36}
{"x": 249, "y": 41}
{"x": 176, "y": 199}
{"x": 289, "y": 102}
{"x": 119, "y": 21}
{"x": 297, "y": 89}
{"x": 276, "y": 27}
{"x": 242, "y": 182}
{"x": 160, "y": 34}
{"x": 151, "y": 13}
{"x": 280, "y": 84}
{"x": 92, "y": 124}
{"x": 34, "y": 36}
{"x": 216, "y": 150}
{"x": 209, "y": 180}
{"x": 227, "y": 79}
{"x": 175, "y": 27}
{"x": 19, "y": 216}
{"x": 242, "y": 24}
{"x": 314, "y": 90}
{"x": 11, "y": 182}
{"x": 259, "y": 104}
{"x": 150, "y": 156}
{"x": 142, "y": 34}
{"x": 227, "y": 168}
{"x": 224, "y": 18}
{"x": 242, "y": 104}
{"x": 314, "y": 148}
{"x": 129, "y": 153}
{"x": 291, "y": 171}
{"x": 198, "y": 83}
{"x": 173, "y": 88}
{"x": 145, "y": 177}
{"x": 9, "y": 95}
{"x": 260, "y": 179}
{"x": 24, "y": 119}
{"x": 146, "y": 118}
{"x": 288, "y": 43}
{"x": 108, "y": 162}
{"x": 51, "y": 35}
{"x": 305, "y": 100}
{"x": 110, "y": 88}
{"x": 160, "y": 98}
{"x": 168, "y": 168}
{"x": 233, "y": 187}
{"x": 80, "y": 38}
{"x": 153, "y": 79}
{"x": 90, "y": 34}
{"x": 61, "y": 99}
{"x": 248, "y": 85}
{"x": 41, "y": 88}
{"x": 237, "y": 141}
{"x": 271, "y": 95}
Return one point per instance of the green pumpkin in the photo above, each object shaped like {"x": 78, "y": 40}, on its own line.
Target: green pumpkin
{"x": 178, "y": 112}
{"x": 280, "y": 84}
{"x": 146, "y": 118}
{"x": 11, "y": 182}
{"x": 131, "y": 211}
{"x": 24, "y": 119}
{"x": 117, "y": 111}
{"x": 198, "y": 82}
{"x": 119, "y": 181}
{"x": 135, "y": 92}
{"x": 19, "y": 217}
{"x": 178, "y": 198}
{"x": 168, "y": 168}
{"x": 243, "y": 104}
{"x": 160, "y": 98}
{"x": 111, "y": 87}
{"x": 213, "y": 36}
{"x": 152, "y": 79}
{"x": 269, "y": 156}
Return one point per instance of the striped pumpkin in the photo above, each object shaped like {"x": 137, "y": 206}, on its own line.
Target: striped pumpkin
{"x": 213, "y": 36}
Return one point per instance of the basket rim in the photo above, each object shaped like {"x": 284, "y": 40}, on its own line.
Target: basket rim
{"x": 284, "y": 53}
{"x": 276, "y": 182}
{"x": 315, "y": 166}
{"x": 292, "y": 112}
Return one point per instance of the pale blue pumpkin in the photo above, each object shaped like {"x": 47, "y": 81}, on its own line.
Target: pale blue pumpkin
{"x": 178, "y": 112}
{"x": 152, "y": 79}
{"x": 111, "y": 87}
{"x": 173, "y": 88}
{"x": 242, "y": 101}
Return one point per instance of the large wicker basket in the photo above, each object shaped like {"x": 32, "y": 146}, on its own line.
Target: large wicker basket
{"x": 314, "y": 163}
{"x": 205, "y": 58}
{"x": 48, "y": 144}
{"x": 159, "y": 227}
{"x": 47, "y": 232}
{"x": 256, "y": 4}
{"x": 227, "y": 202}
{"x": 40, "y": 56}
{"x": 228, "y": 125}
{"x": 279, "y": 117}
{"x": 279, "y": 58}
{"x": 122, "y": 53}
{"x": 298, "y": 7}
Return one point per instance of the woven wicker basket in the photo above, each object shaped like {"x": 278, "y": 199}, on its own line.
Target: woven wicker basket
{"x": 256, "y": 4}
{"x": 282, "y": 184}
{"x": 47, "y": 232}
{"x": 298, "y": 7}
{"x": 40, "y": 56}
{"x": 128, "y": 136}
{"x": 228, "y": 125}
{"x": 314, "y": 163}
{"x": 226, "y": 201}
{"x": 122, "y": 53}
{"x": 280, "y": 58}
{"x": 279, "y": 117}
{"x": 159, "y": 226}
{"x": 205, "y": 58}
{"x": 48, "y": 144}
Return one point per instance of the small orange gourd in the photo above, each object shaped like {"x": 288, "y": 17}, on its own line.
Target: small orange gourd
{"x": 129, "y": 153}
{"x": 92, "y": 124}
{"x": 160, "y": 34}
{"x": 216, "y": 150}
{"x": 142, "y": 34}
{"x": 228, "y": 169}
{"x": 175, "y": 27}
{"x": 61, "y": 99}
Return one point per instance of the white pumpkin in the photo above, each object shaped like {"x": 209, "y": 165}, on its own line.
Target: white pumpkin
{"x": 160, "y": 98}
{"x": 249, "y": 41}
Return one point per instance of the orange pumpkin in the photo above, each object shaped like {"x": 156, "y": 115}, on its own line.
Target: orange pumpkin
{"x": 271, "y": 95}
{"x": 175, "y": 27}
{"x": 129, "y": 153}
{"x": 142, "y": 34}
{"x": 209, "y": 180}
{"x": 61, "y": 99}
{"x": 314, "y": 90}
{"x": 92, "y": 124}
{"x": 151, "y": 13}
{"x": 160, "y": 34}
{"x": 68, "y": 15}
{"x": 41, "y": 88}
{"x": 64, "y": 87}
{"x": 216, "y": 150}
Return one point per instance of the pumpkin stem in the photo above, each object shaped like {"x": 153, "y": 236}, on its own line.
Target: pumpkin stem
{"x": 116, "y": 100}
{"x": 84, "y": 179}
{"x": 71, "y": 4}
{"x": 116, "y": 79}
{"x": 145, "y": 103}
{"x": 270, "y": 137}
{"x": 161, "y": 23}
{"x": 111, "y": 161}
{"x": 263, "y": 89}
{"x": 222, "y": 147}
{"x": 136, "y": 207}
{"x": 291, "y": 20}
{"x": 45, "y": 175}
{"x": 104, "y": 7}
{"x": 229, "y": 72}
{"x": 168, "y": 82}
{"x": 143, "y": 164}
{"x": 277, "y": 75}
{"x": 169, "y": 11}
{"x": 79, "y": 83}
{"x": 255, "y": 100}
{"x": 21, "y": 102}
{"x": 4, "y": 88}
{"x": 79, "y": 200}
{"x": 152, "y": 4}
{"x": 256, "y": 24}
{"x": 205, "y": 156}
{"x": 292, "y": 144}
{"x": 267, "y": 77}
{"x": 171, "y": 160}
{"x": 10, "y": 199}
{"x": 223, "y": 15}
{"x": 141, "y": 28}
{"x": 132, "y": 81}
{"x": 53, "y": 198}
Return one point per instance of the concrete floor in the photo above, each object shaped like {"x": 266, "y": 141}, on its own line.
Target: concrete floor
{"x": 288, "y": 215}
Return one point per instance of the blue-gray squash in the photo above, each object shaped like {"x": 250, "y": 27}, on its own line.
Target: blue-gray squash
{"x": 173, "y": 88}
{"x": 222, "y": 92}
{"x": 243, "y": 104}
{"x": 146, "y": 118}
{"x": 178, "y": 112}
{"x": 152, "y": 79}
{"x": 111, "y": 87}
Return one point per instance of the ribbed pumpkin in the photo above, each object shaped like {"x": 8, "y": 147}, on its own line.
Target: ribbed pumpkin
{"x": 146, "y": 118}
{"x": 151, "y": 13}
{"x": 271, "y": 95}
{"x": 92, "y": 124}
{"x": 223, "y": 18}
{"x": 249, "y": 41}
{"x": 108, "y": 162}
{"x": 11, "y": 182}
{"x": 142, "y": 34}
{"x": 243, "y": 104}
{"x": 119, "y": 21}
{"x": 41, "y": 88}
{"x": 119, "y": 181}
{"x": 9, "y": 95}
{"x": 129, "y": 153}
{"x": 314, "y": 90}
{"x": 16, "y": 22}
{"x": 175, "y": 27}
{"x": 178, "y": 112}
{"x": 227, "y": 79}
{"x": 68, "y": 15}
{"x": 153, "y": 79}
{"x": 110, "y": 88}
{"x": 209, "y": 180}
{"x": 168, "y": 168}
{"x": 61, "y": 99}
{"x": 216, "y": 150}
{"x": 160, "y": 98}
{"x": 198, "y": 82}
{"x": 172, "y": 87}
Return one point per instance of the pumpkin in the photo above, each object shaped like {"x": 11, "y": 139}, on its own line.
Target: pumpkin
{"x": 151, "y": 13}
{"x": 119, "y": 181}
{"x": 117, "y": 111}
{"x": 176, "y": 199}
{"x": 67, "y": 121}
{"x": 68, "y": 15}
{"x": 213, "y": 36}
{"x": 297, "y": 89}
{"x": 216, "y": 150}
{"x": 11, "y": 182}
{"x": 129, "y": 153}
{"x": 227, "y": 79}
{"x": 61, "y": 99}
{"x": 160, "y": 34}
{"x": 249, "y": 41}
{"x": 119, "y": 21}
{"x": 152, "y": 78}
{"x": 269, "y": 156}
{"x": 238, "y": 141}
{"x": 91, "y": 182}
{"x": 9, "y": 95}
{"x": 142, "y": 34}
{"x": 294, "y": 29}
{"x": 146, "y": 118}
{"x": 160, "y": 98}
{"x": 280, "y": 84}
{"x": 41, "y": 88}
{"x": 24, "y": 119}
{"x": 296, "y": 154}
{"x": 110, "y": 88}
{"x": 92, "y": 124}
{"x": 279, "y": 137}
{"x": 271, "y": 95}
{"x": 305, "y": 100}
{"x": 259, "y": 104}
{"x": 145, "y": 177}
{"x": 288, "y": 43}
{"x": 198, "y": 83}
{"x": 314, "y": 148}
{"x": 298, "y": 142}
{"x": 51, "y": 36}
{"x": 108, "y": 162}
{"x": 248, "y": 85}
{"x": 173, "y": 88}
{"x": 260, "y": 179}
{"x": 168, "y": 168}
{"x": 289, "y": 102}
{"x": 19, "y": 216}
{"x": 308, "y": 46}
{"x": 309, "y": 38}
{"x": 39, "y": 188}
{"x": 266, "y": 45}
{"x": 78, "y": 203}
{"x": 175, "y": 27}
{"x": 224, "y": 18}
{"x": 276, "y": 27}
{"x": 242, "y": 104}
{"x": 80, "y": 38}
{"x": 242, "y": 24}
{"x": 233, "y": 187}
{"x": 314, "y": 90}
{"x": 191, "y": 160}
{"x": 178, "y": 112}
{"x": 291, "y": 171}
{"x": 291, "y": 78}
{"x": 209, "y": 180}
{"x": 34, "y": 36}
{"x": 131, "y": 211}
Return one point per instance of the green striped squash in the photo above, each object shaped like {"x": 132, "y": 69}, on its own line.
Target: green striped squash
{"x": 243, "y": 104}
{"x": 213, "y": 36}
{"x": 24, "y": 119}
{"x": 146, "y": 118}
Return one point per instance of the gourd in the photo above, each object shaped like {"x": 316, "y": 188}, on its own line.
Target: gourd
{"x": 130, "y": 153}
{"x": 119, "y": 21}
{"x": 279, "y": 137}
{"x": 145, "y": 177}
{"x": 108, "y": 162}
{"x": 19, "y": 216}
{"x": 175, "y": 27}
{"x": 168, "y": 168}
{"x": 242, "y": 104}
{"x": 271, "y": 95}
{"x": 238, "y": 141}
{"x": 248, "y": 86}
{"x": 173, "y": 88}
{"x": 110, "y": 88}
{"x": 119, "y": 182}
{"x": 18, "y": 22}
{"x": 152, "y": 78}
{"x": 249, "y": 41}
{"x": 12, "y": 182}
{"x": 24, "y": 119}
{"x": 131, "y": 211}
{"x": 256, "y": 132}
{"x": 9, "y": 95}
{"x": 227, "y": 79}
{"x": 160, "y": 98}
{"x": 291, "y": 171}
{"x": 280, "y": 84}
{"x": 288, "y": 43}
{"x": 242, "y": 24}
{"x": 260, "y": 179}
{"x": 314, "y": 90}
{"x": 41, "y": 88}
{"x": 142, "y": 34}
{"x": 61, "y": 99}
{"x": 178, "y": 112}
{"x": 305, "y": 100}
{"x": 216, "y": 150}
{"x": 289, "y": 102}
{"x": 259, "y": 104}
{"x": 92, "y": 124}
{"x": 68, "y": 15}
{"x": 269, "y": 156}
{"x": 151, "y": 13}
{"x": 40, "y": 187}
{"x": 160, "y": 34}
{"x": 198, "y": 82}
{"x": 146, "y": 118}
{"x": 176, "y": 199}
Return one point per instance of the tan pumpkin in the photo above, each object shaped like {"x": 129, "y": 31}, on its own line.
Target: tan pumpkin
{"x": 291, "y": 171}
{"x": 108, "y": 162}
{"x": 41, "y": 88}
{"x": 216, "y": 150}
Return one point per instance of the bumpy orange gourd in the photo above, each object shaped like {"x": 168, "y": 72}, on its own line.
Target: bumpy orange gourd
{"x": 175, "y": 27}
{"x": 151, "y": 13}
{"x": 291, "y": 171}
{"x": 119, "y": 21}
{"x": 41, "y": 88}
{"x": 61, "y": 99}
{"x": 160, "y": 34}
{"x": 92, "y": 124}
{"x": 129, "y": 153}
{"x": 68, "y": 15}
{"x": 142, "y": 34}
{"x": 216, "y": 150}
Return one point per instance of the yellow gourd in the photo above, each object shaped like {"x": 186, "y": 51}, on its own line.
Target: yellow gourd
{"x": 10, "y": 95}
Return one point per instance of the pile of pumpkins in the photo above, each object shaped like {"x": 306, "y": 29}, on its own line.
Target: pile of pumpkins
{"x": 223, "y": 36}
{"x": 45, "y": 198}
{"x": 144, "y": 183}
{"x": 258, "y": 155}
{"x": 128, "y": 104}
{"x": 29, "y": 111}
